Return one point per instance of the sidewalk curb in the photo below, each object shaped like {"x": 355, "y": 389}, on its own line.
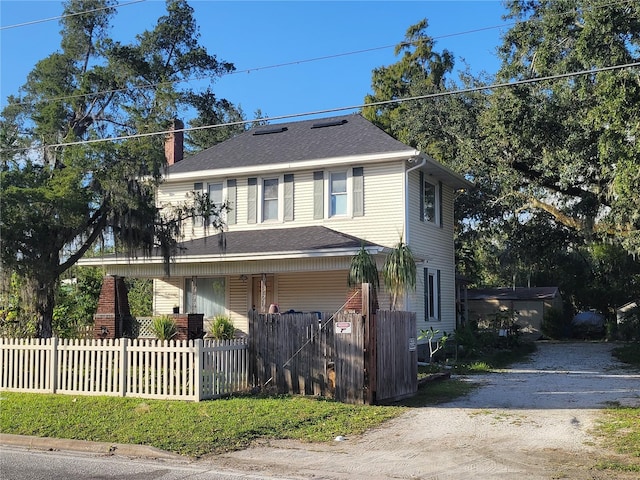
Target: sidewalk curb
{"x": 101, "y": 448}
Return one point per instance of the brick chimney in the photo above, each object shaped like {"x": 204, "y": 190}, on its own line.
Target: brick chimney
{"x": 174, "y": 143}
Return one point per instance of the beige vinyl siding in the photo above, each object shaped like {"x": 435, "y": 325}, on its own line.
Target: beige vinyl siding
{"x": 435, "y": 244}
{"x": 316, "y": 292}
{"x": 383, "y": 219}
{"x": 238, "y": 302}
{"x": 321, "y": 291}
{"x": 167, "y": 292}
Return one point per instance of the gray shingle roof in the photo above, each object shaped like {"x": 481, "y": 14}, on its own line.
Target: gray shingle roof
{"x": 340, "y": 136}
{"x": 278, "y": 240}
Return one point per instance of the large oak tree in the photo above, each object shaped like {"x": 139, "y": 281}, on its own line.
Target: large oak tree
{"x": 60, "y": 192}
{"x": 556, "y": 162}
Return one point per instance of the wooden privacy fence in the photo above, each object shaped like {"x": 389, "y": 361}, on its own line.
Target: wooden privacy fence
{"x": 396, "y": 356}
{"x": 300, "y": 353}
{"x": 185, "y": 370}
{"x": 351, "y": 357}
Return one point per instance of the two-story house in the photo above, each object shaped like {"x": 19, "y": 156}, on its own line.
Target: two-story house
{"x": 304, "y": 196}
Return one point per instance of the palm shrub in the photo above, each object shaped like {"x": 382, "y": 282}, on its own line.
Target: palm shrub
{"x": 164, "y": 327}
{"x": 399, "y": 272}
{"x": 221, "y": 328}
{"x": 363, "y": 269}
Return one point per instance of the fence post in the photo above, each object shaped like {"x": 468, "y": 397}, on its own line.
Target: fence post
{"x": 123, "y": 366}
{"x": 197, "y": 366}
{"x": 53, "y": 365}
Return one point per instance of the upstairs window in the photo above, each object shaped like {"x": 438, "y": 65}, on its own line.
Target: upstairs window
{"x": 270, "y": 199}
{"x": 430, "y": 201}
{"x": 430, "y": 207}
{"x": 338, "y": 193}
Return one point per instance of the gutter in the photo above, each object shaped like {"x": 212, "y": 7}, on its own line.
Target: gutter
{"x": 406, "y": 197}
{"x": 406, "y": 213}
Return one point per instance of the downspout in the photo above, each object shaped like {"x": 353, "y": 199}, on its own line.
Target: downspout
{"x": 406, "y": 211}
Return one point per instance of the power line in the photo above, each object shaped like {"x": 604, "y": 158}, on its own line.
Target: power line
{"x": 59, "y": 17}
{"x": 295, "y": 62}
{"x": 338, "y": 109}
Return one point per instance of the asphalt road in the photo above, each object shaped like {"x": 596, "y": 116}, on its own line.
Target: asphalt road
{"x": 18, "y": 463}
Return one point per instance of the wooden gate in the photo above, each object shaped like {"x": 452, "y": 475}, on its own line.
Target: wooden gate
{"x": 308, "y": 354}
{"x": 396, "y": 356}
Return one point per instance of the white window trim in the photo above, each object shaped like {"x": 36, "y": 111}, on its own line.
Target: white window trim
{"x": 261, "y": 180}
{"x": 222, "y": 182}
{"x": 327, "y": 193}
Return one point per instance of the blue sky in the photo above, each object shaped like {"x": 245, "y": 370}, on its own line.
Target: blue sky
{"x": 254, "y": 34}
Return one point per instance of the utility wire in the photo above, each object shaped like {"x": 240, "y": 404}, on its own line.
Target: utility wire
{"x": 291, "y": 63}
{"x": 59, "y": 17}
{"x": 337, "y": 109}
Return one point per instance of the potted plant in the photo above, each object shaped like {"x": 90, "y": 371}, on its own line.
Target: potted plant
{"x": 164, "y": 327}
{"x": 399, "y": 272}
{"x": 363, "y": 269}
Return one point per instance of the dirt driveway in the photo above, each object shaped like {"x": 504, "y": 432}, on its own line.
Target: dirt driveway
{"x": 531, "y": 421}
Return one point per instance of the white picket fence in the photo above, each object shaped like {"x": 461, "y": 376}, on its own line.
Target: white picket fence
{"x": 182, "y": 370}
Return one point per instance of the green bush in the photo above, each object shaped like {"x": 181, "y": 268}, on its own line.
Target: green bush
{"x": 164, "y": 327}
{"x": 221, "y": 328}
{"x": 555, "y": 325}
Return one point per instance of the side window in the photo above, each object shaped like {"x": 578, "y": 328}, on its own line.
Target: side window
{"x": 432, "y": 294}
{"x": 430, "y": 206}
{"x": 269, "y": 199}
{"x": 338, "y": 193}
{"x": 430, "y": 201}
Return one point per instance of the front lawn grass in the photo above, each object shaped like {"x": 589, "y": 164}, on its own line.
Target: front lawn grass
{"x": 186, "y": 428}
{"x": 620, "y": 426}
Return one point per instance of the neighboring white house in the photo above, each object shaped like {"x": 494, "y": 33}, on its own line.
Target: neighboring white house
{"x": 304, "y": 197}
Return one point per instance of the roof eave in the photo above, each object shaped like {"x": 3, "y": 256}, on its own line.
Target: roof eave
{"x": 444, "y": 173}
{"x": 239, "y": 257}
{"x": 289, "y": 166}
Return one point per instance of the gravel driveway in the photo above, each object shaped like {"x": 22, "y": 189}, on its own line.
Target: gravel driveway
{"x": 531, "y": 421}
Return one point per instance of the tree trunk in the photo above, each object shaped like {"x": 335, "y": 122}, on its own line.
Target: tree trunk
{"x": 45, "y": 301}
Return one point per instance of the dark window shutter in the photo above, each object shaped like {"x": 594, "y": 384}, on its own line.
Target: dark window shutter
{"x": 439, "y": 295}
{"x": 288, "y": 197}
{"x": 440, "y": 207}
{"x": 426, "y": 294}
{"x": 252, "y": 200}
{"x": 358, "y": 192}
{"x": 318, "y": 195}
{"x": 421, "y": 188}
{"x": 232, "y": 191}
{"x": 197, "y": 221}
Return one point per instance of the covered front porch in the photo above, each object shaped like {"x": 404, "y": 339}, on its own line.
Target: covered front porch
{"x": 296, "y": 269}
